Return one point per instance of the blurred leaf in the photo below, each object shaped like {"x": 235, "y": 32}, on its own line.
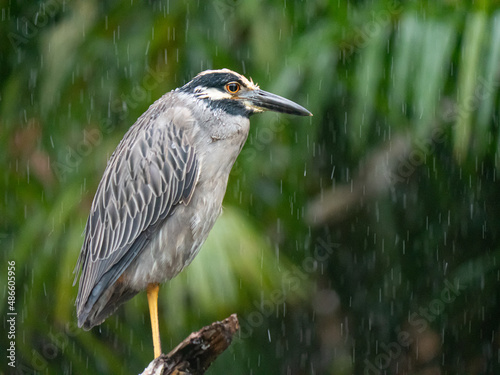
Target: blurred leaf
{"x": 65, "y": 39}
{"x": 369, "y": 72}
{"x": 438, "y": 39}
{"x": 487, "y": 87}
{"x": 407, "y": 42}
{"x": 467, "y": 80}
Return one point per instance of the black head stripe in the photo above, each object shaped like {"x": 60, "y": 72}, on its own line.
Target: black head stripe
{"x": 216, "y": 80}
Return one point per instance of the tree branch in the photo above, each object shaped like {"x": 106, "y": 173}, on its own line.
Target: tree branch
{"x": 196, "y": 353}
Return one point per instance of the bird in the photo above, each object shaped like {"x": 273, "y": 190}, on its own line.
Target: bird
{"x": 162, "y": 191}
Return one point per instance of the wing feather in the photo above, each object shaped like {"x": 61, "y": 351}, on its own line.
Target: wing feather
{"x": 153, "y": 169}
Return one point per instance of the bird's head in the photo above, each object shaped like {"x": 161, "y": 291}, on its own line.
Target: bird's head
{"x": 236, "y": 94}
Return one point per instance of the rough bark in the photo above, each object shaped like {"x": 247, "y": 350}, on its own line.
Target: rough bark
{"x": 196, "y": 353}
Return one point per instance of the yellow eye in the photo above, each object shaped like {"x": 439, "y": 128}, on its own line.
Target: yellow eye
{"x": 233, "y": 87}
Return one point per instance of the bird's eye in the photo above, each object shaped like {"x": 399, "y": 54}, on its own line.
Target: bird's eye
{"x": 233, "y": 87}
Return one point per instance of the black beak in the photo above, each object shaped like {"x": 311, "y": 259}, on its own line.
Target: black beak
{"x": 264, "y": 100}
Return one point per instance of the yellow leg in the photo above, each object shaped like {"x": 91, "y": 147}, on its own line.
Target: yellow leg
{"x": 152, "y": 292}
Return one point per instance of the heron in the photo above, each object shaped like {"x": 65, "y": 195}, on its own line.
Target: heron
{"x": 162, "y": 191}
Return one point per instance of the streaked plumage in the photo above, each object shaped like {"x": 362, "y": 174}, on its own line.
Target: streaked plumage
{"x": 163, "y": 187}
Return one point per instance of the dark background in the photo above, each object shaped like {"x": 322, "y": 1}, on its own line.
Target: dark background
{"x": 363, "y": 240}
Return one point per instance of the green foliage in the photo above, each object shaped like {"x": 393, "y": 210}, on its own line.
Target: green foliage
{"x": 332, "y": 296}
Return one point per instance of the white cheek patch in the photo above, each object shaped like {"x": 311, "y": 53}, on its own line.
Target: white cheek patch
{"x": 211, "y": 93}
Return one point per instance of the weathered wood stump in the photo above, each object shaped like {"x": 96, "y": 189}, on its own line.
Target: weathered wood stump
{"x": 196, "y": 353}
